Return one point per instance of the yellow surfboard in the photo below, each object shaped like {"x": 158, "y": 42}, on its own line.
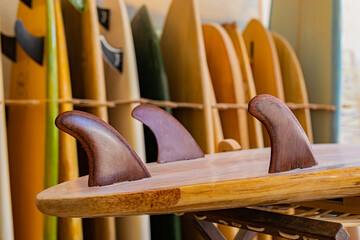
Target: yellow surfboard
{"x": 87, "y": 74}
{"x": 255, "y": 132}
{"x": 226, "y": 78}
{"x": 264, "y": 63}
{"x": 68, "y": 228}
{"x": 293, "y": 81}
{"x": 122, "y": 84}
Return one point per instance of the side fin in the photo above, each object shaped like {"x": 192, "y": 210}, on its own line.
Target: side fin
{"x": 111, "y": 158}
{"x": 113, "y": 56}
{"x": 290, "y": 147}
{"x": 8, "y": 47}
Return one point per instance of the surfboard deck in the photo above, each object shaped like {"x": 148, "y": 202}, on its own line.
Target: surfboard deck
{"x": 6, "y": 220}
{"x": 315, "y": 37}
{"x": 255, "y": 131}
{"x": 68, "y": 228}
{"x": 87, "y": 74}
{"x": 293, "y": 81}
{"x": 26, "y": 129}
{"x": 219, "y": 181}
{"x": 227, "y": 82}
{"x": 153, "y": 85}
{"x": 264, "y": 63}
{"x": 123, "y": 84}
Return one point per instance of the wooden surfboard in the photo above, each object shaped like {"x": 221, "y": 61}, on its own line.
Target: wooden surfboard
{"x": 6, "y": 220}
{"x": 122, "y": 84}
{"x": 227, "y": 181}
{"x": 255, "y": 132}
{"x": 188, "y": 77}
{"x": 26, "y": 126}
{"x": 153, "y": 85}
{"x": 315, "y": 37}
{"x": 293, "y": 81}
{"x": 264, "y": 63}
{"x": 226, "y": 79}
{"x": 68, "y": 228}
{"x": 87, "y": 74}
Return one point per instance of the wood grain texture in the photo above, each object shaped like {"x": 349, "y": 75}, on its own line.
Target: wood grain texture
{"x": 68, "y": 228}
{"x": 217, "y": 181}
{"x": 26, "y": 129}
{"x": 290, "y": 148}
{"x": 227, "y": 83}
{"x": 117, "y": 162}
{"x": 264, "y": 63}
{"x": 293, "y": 81}
{"x": 184, "y": 57}
{"x": 6, "y": 219}
{"x": 165, "y": 127}
{"x": 255, "y": 132}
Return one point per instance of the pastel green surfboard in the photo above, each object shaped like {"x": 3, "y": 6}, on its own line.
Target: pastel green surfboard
{"x": 153, "y": 85}
{"x": 313, "y": 30}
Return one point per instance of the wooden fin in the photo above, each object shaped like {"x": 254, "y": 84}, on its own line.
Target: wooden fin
{"x": 290, "y": 147}
{"x": 173, "y": 140}
{"x": 111, "y": 158}
{"x": 113, "y": 56}
{"x": 228, "y": 145}
{"x": 33, "y": 46}
{"x": 27, "y": 3}
{"x": 8, "y": 47}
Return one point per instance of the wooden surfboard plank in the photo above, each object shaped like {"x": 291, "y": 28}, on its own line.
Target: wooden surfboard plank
{"x": 264, "y": 63}
{"x": 87, "y": 74}
{"x": 227, "y": 82}
{"x": 293, "y": 81}
{"x": 185, "y": 64}
{"x": 68, "y": 228}
{"x": 26, "y": 129}
{"x": 124, "y": 85}
{"x": 6, "y": 220}
{"x": 255, "y": 131}
{"x": 222, "y": 180}
{"x": 315, "y": 37}
{"x": 153, "y": 85}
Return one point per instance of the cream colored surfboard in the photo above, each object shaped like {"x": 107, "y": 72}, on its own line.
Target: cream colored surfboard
{"x": 122, "y": 84}
{"x": 255, "y": 132}
{"x": 6, "y": 221}
{"x": 293, "y": 81}
{"x": 227, "y": 83}
{"x": 264, "y": 63}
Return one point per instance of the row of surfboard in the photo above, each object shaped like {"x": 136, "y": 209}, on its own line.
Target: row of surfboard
{"x": 192, "y": 63}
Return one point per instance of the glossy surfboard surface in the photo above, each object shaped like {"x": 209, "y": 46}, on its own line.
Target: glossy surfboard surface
{"x": 255, "y": 132}
{"x": 293, "y": 81}
{"x": 68, "y": 228}
{"x": 226, "y": 79}
{"x": 264, "y": 63}
{"x": 87, "y": 74}
{"x": 153, "y": 85}
{"x": 6, "y": 220}
{"x": 313, "y": 30}
{"x": 122, "y": 84}
{"x": 26, "y": 128}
